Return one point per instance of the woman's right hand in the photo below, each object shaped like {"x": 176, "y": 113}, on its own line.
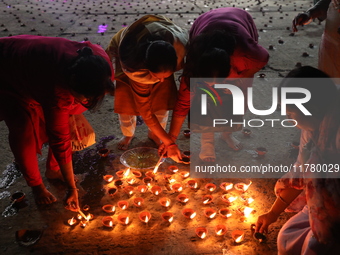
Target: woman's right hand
{"x": 171, "y": 151}
{"x": 300, "y": 20}
{"x": 264, "y": 220}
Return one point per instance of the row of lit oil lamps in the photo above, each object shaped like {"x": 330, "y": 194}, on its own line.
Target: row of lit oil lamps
{"x": 130, "y": 177}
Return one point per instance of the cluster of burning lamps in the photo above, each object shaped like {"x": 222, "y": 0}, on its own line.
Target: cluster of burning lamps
{"x": 176, "y": 186}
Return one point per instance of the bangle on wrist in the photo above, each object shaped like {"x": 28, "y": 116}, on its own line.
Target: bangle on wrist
{"x": 170, "y": 145}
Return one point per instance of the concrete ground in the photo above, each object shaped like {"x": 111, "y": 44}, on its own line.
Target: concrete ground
{"x": 98, "y": 21}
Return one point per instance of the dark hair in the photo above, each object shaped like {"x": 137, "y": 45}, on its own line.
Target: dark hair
{"x": 209, "y": 55}
{"x": 90, "y": 76}
{"x": 323, "y": 91}
{"x": 160, "y": 56}
{"x": 151, "y": 52}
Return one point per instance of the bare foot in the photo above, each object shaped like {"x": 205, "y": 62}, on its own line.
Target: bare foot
{"x": 124, "y": 142}
{"x": 154, "y": 138}
{"x": 42, "y": 196}
{"x": 231, "y": 141}
{"x": 207, "y": 153}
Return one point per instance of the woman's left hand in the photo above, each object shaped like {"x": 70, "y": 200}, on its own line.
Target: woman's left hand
{"x": 171, "y": 151}
{"x": 72, "y": 202}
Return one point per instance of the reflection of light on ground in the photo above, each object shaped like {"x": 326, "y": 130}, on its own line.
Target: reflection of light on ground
{"x": 102, "y": 28}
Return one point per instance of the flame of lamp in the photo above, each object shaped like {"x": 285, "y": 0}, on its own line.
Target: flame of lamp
{"x": 156, "y": 190}
{"x": 168, "y": 216}
{"x": 145, "y": 216}
{"x": 183, "y": 198}
{"x": 228, "y": 199}
{"x": 220, "y": 230}
{"x": 142, "y": 188}
{"x": 210, "y": 187}
{"x": 192, "y": 184}
{"x": 189, "y": 213}
{"x": 226, "y": 186}
{"x": 177, "y": 187}
{"x": 207, "y": 199}
{"x": 123, "y": 205}
{"x": 242, "y": 186}
{"x": 108, "y": 178}
{"x": 209, "y": 213}
{"x": 109, "y": 208}
{"x": 173, "y": 169}
{"x": 123, "y": 218}
{"x": 129, "y": 190}
{"x": 138, "y": 201}
{"x": 201, "y": 232}
{"x": 164, "y": 201}
{"x": 107, "y": 221}
{"x": 131, "y": 180}
{"x": 168, "y": 178}
{"x": 83, "y": 223}
{"x": 147, "y": 180}
{"x": 185, "y": 174}
{"x": 246, "y": 200}
{"x": 237, "y": 235}
{"x": 225, "y": 212}
{"x": 72, "y": 221}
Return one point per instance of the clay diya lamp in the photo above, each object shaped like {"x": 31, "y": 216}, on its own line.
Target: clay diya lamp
{"x": 72, "y": 222}
{"x": 184, "y": 174}
{"x": 189, "y": 213}
{"x": 220, "y": 230}
{"x": 245, "y": 211}
{"x": 108, "y": 178}
{"x": 89, "y": 217}
{"x": 120, "y": 174}
{"x": 242, "y": 186}
{"x": 186, "y": 154}
{"x": 103, "y": 152}
{"x": 207, "y": 199}
{"x": 169, "y": 179}
{"x": 226, "y": 186}
{"x": 17, "y": 197}
{"x": 192, "y": 184}
{"x": 210, "y": 213}
{"x": 107, "y": 221}
{"x": 145, "y": 216}
{"x": 261, "y": 151}
{"x": 228, "y": 199}
{"x": 260, "y": 237}
{"x": 123, "y": 219}
{"x": 129, "y": 190}
{"x": 210, "y": 187}
{"x": 142, "y": 188}
{"x": 168, "y": 216}
{"x": 186, "y": 161}
{"x": 182, "y": 198}
{"x": 225, "y": 212}
{"x": 118, "y": 183}
{"x": 147, "y": 180}
{"x": 109, "y": 208}
{"x": 164, "y": 201}
{"x": 173, "y": 169}
{"x": 238, "y": 236}
{"x": 246, "y": 132}
{"x": 187, "y": 133}
{"x": 138, "y": 201}
{"x": 123, "y": 204}
{"x": 86, "y": 208}
{"x": 247, "y": 200}
{"x": 156, "y": 190}
{"x": 201, "y": 232}
{"x": 177, "y": 187}
{"x": 131, "y": 180}
{"x": 137, "y": 174}
{"x": 150, "y": 174}
{"x": 112, "y": 191}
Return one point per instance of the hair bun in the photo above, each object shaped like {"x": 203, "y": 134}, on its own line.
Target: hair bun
{"x": 84, "y": 52}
